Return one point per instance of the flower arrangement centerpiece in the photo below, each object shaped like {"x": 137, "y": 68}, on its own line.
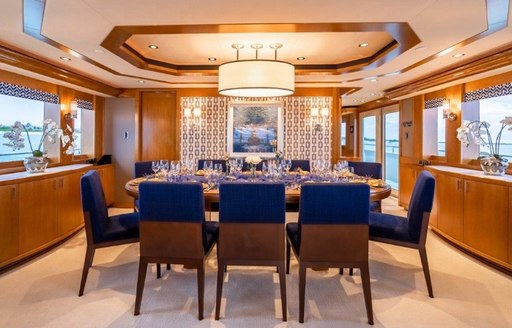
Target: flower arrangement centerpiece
{"x": 253, "y": 161}
{"x": 278, "y": 153}
{"x": 492, "y": 163}
{"x": 50, "y": 131}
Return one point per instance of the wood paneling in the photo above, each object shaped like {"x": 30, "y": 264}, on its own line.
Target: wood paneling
{"x": 28, "y": 82}
{"x": 510, "y": 226}
{"x": 450, "y": 207}
{"x": 159, "y": 126}
{"x": 99, "y": 113}
{"x": 70, "y": 214}
{"x": 107, "y": 176}
{"x": 407, "y": 177}
{"x": 9, "y": 225}
{"x": 453, "y": 150}
{"x": 38, "y": 213}
{"x": 486, "y": 218}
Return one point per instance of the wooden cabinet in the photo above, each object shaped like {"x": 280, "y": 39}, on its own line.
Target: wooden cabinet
{"x": 486, "y": 218}
{"x": 107, "y": 176}
{"x": 70, "y": 214}
{"x": 475, "y": 212}
{"x": 9, "y": 225}
{"x": 407, "y": 178}
{"x": 38, "y": 213}
{"x": 450, "y": 205}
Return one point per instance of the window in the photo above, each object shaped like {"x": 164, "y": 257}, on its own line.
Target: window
{"x": 391, "y": 145}
{"x": 84, "y": 131}
{"x": 434, "y": 132}
{"x": 343, "y": 133}
{"x": 29, "y": 112}
{"x": 492, "y": 111}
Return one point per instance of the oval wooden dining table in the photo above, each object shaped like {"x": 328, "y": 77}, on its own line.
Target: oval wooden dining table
{"x": 292, "y": 195}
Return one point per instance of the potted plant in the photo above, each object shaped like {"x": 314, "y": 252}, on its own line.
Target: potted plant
{"x": 38, "y": 161}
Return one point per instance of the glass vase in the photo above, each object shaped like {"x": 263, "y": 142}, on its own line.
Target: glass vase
{"x": 494, "y": 165}
{"x": 35, "y": 164}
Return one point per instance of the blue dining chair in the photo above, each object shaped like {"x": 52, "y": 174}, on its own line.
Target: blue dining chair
{"x": 369, "y": 169}
{"x": 251, "y": 230}
{"x": 173, "y": 230}
{"x": 303, "y": 164}
{"x": 200, "y": 163}
{"x": 412, "y": 231}
{"x": 100, "y": 229}
{"x": 332, "y": 232}
{"x": 143, "y": 168}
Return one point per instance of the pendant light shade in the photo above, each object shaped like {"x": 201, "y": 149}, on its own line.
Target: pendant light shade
{"x": 256, "y": 78}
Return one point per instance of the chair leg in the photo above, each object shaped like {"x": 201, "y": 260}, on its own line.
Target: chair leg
{"x": 200, "y": 290}
{"x": 426, "y": 271}
{"x": 302, "y": 291}
{"x": 168, "y": 266}
{"x": 225, "y": 268}
{"x": 282, "y": 283}
{"x": 220, "y": 282}
{"x": 92, "y": 257}
{"x": 158, "y": 271}
{"x": 288, "y": 254}
{"x": 365, "y": 277}
{"x": 143, "y": 267}
{"x": 341, "y": 271}
{"x": 351, "y": 271}
{"x": 89, "y": 255}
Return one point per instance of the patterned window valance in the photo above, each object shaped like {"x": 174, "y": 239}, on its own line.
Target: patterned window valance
{"x": 19, "y": 91}
{"x": 84, "y": 104}
{"x": 434, "y": 103}
{"x": 491, "y": 92}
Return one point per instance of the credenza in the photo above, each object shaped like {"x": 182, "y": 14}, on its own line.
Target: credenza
{"x": 39, "y": 210}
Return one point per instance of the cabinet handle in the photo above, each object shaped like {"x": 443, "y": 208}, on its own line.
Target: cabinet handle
{"x": 13, "y": 192}
{"x": 466, "y": 186}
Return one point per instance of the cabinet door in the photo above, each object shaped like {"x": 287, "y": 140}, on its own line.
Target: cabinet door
{"x": 486, "y": 218}
{"x": 407, "y": 180}
{"x": 450, "y": 205}
{"x": 433, "y": 214}
{"x": 38, "y": 213}
{"x": 70, "y": 206}
{"x": 108, "y": 183}
{"x": 9, "y": 226}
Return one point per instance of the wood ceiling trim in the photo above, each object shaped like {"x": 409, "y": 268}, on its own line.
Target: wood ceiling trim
{"x": 486, "y": 62}
{"x": 403, "y": 35}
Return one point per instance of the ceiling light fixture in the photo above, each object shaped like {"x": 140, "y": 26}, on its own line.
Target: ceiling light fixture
{"x": 212, "y": 58}
{"x": 256, "y": 77}
{"x": 65, "y": 58}
{"x": 141, "y": 81}
{"x": 420, "y": 48}
{"x": 153, "y": 46}
{"x": 363, "y": 45}
{"x": 459, "y": 55}
{"x": 301, "y": 58}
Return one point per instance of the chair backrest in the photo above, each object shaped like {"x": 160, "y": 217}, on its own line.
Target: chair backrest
{"x": 371, "y": 169}
{"x": 334, "y": 221}
{"x": 143, "y": 168}
{"x": 420, "y": 205}
{"x": 171, "y": 219}
{"x": 94, "y": 206}
{"x": 200, "y": 163}
{"x": 245, "y": 166}
{"x": 303, "y": 164}
{"x": 251, "y": 222}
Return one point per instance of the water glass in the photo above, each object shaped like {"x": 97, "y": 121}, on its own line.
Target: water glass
{"x": 155, "y": 166}
{"x": 217, "y": 167}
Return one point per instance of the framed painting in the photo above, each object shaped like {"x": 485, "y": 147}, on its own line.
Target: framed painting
{"x": 253, "y": 128}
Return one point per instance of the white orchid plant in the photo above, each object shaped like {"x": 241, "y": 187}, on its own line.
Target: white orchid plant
{"x": 50, "y": 130}
{"x": 479, "y": 132}
{"x": 253, "y": 160}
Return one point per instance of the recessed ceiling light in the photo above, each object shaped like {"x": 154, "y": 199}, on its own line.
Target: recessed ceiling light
{"x": 420, "y": 48}
{"x": 373, "y": 80}
{"x": 141, "y": 81}
{"x": 379, "y": 101}
{"x": 392, "y": 73}
{"x": 301, "y": 58}
{"x": 65, "y": 58}
{"x": 458, "y": 55}
{"x": 372, "y": 94}
{"x": 362, "y": 45}
{"x": 153, "y": 46}
{"x": 99, "y": 51}
{"x": 212, "y": 58}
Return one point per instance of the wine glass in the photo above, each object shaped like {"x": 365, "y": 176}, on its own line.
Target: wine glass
{"x": 207, "y": 166}
{"x": 175, "y": 169}
{"x": 155, "y": 166}
{"x": 164, "y": 165}
{"x": 217, "y": 167}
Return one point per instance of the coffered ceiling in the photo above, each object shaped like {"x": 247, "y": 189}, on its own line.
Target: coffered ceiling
{"x": 107, "y": 41}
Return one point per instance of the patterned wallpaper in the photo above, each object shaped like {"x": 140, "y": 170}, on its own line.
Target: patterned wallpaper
{"x": 301, "y": 139}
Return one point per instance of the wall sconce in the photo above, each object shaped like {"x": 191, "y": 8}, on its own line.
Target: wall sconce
{"x": 319, "y": 117}
{"x": 447, "y": 114}
{"x": 73, "y": 113}
{"x": 192, "y": 117}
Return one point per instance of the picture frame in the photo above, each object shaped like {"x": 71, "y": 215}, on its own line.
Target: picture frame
{"x": 251, "y": 128}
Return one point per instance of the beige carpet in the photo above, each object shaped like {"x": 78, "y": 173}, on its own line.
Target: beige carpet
{"x": 43, "y": 293}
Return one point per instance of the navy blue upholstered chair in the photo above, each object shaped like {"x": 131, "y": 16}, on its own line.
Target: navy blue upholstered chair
{"x": 251, "y": 230}
{"x": 303, "y": 164}
{"x": 369, "y": 169}
{"x": 100, "y": 229}
{"x": 332, "y": 232}
{"x": 411, "y": 231}
{"x": 245, "y": 166}
{"x": 143, "y": 168}
{"x": 200, "y": 163}
{"x": 173, "y": 230}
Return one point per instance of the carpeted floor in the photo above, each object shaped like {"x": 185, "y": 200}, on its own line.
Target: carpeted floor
{"x": 43, "y": 292}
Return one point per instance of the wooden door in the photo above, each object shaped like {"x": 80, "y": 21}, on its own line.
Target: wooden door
{"x": 70, "y": 205}
{"x": 159, "y": 126}
{"x": 38, "y": 213}
{"x": 450, "y": 205}
{"x": 9, "y": 225}
{"x": 486, "y": 218}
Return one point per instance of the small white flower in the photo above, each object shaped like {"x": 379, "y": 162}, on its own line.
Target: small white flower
{"x": 507, "y": 121}
{"x": 255, "y": 160}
